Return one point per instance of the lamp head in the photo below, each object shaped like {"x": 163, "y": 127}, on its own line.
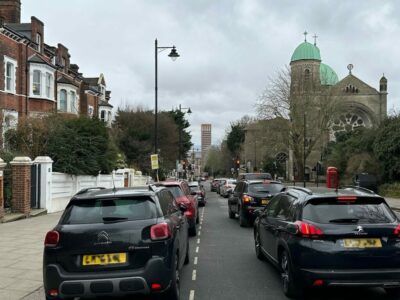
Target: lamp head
{"x": 189, "y": 111}
{"x": 174, "y": 54}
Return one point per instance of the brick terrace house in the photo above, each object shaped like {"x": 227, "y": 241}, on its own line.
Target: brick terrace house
{"x": 38, "y": 79}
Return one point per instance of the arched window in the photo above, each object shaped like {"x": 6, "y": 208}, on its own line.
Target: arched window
{"x": 63, "y": 100}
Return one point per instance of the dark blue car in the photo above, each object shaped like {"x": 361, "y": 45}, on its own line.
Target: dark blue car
{"x": 346, "y": 238}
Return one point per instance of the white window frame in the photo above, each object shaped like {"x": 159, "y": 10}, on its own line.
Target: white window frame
{"x": 49, "y": 79}
{"x": 45, "y": 70}
{"x": 13, "y": 77}
{"x": 39, "y": 42}
{"x": 61, "y": 108}
{"x": 90, "y": 110}
{"x": 72, "y": 99}
{"x": 38, "y": 84}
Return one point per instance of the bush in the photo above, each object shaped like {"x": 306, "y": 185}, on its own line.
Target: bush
{"x": 390, "y": 190}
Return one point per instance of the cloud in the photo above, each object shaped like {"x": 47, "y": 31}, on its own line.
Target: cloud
{"x": 228, "y": 48}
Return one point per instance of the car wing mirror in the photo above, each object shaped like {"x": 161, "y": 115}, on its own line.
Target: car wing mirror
{"x": 182, "y": 207}
{"x": 292, "y": 228}
{"x": 258, "y": 212}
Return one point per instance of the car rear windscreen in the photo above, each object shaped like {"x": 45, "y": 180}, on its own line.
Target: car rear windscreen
{"x": 109, "y": 210}
{"x": 271, "y": 188}
{"x": 360, "y": 211}
{"x": 255, "y": 176}
{"x": 176, "y": 191}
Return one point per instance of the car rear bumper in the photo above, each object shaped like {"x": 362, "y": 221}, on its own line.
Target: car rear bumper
{"x": 116, "y": 283}
{"x": 366, "y": 277}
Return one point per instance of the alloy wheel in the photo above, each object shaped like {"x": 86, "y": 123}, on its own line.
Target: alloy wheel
{"x": 285, "y": 276}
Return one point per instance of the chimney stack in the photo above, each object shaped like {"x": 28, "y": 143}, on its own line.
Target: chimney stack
{"x": 10, "y": 11}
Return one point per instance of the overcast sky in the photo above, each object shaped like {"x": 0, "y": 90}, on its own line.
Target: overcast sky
{"x": 228, "y": 48}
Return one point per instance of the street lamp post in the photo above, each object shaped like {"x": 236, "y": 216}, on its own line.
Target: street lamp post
{"x": 173, "y": 55}
{"x": 304, "y": 151}
{"x": 189, "y": 111}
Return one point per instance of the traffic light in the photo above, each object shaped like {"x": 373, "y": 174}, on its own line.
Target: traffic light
{"x": 237, "y": 163}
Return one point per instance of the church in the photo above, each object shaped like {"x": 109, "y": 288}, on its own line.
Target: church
{"x": 360, "y": 104}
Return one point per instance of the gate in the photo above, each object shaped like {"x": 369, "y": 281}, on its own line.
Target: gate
{"x": 35, "y": 186}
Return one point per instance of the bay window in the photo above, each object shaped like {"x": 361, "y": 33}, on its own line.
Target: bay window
{"x": 37, "y": 82}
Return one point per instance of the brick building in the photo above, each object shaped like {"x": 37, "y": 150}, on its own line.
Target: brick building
{"x": 39, "y": 78}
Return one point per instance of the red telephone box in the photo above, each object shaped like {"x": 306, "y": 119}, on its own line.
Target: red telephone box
{"x": 332, "y": 178}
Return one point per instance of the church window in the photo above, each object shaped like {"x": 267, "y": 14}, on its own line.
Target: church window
{"x": 346, "y": 123}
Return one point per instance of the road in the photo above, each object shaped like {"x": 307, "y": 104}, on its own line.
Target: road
{"x": 223, "y": 265}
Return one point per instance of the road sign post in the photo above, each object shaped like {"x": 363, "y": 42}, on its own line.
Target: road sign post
{"x": 154, "y": 163}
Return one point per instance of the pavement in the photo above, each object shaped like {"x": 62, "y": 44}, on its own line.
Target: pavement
{"x": 21, "y": 251}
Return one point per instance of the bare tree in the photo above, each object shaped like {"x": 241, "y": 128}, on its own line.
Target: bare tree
{"x": 308, "y": 113}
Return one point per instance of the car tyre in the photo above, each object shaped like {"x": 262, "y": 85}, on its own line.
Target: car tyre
{"x": 193, "y": 231}
{"x": 393, "y": 292}
{"x": 187, "y": 257}
{"x": 289, "y": 287}
{"x": 243, "y": 221}
{"x": 173, "y": 293}
{"x": 231, "y": 213}
{"x": 257, "y": 245}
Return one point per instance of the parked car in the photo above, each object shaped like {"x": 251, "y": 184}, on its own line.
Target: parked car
{"x": 228, "y": 187}
{"x": 214, "y": 184}
{"x": 221, "y": 182}
{"x": 249, "y": 195}
{"x": 183, "y": 194}
{"x": 254, "y": 176}
{"x": 200, "y": 191}
{"x": 346, "y": 238}
{"x": 117, "y": 242}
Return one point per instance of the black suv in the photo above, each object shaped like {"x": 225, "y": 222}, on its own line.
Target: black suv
{"x": 250, "y": 195}
{"x": 117, "y": 242}
{"x": 346, "y": 238}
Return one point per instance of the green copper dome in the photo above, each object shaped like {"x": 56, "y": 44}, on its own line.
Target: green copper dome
{"x": 306, "y": 50}
{"x": 327, "y": 75}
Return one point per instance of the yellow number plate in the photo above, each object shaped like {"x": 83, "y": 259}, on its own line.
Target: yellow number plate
{"x": 104, "y": 259}
{"x": 264, "y": 202}
{"x": 362, "y": 243}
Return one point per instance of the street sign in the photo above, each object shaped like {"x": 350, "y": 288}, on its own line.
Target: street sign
{"x": 154, "y": 161}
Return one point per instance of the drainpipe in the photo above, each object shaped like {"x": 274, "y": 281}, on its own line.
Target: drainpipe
{"x": 26, "y": 79}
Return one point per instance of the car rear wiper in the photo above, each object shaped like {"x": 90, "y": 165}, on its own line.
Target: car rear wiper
{"x": 344, "y": 220}
{"x": 114, "y": 219}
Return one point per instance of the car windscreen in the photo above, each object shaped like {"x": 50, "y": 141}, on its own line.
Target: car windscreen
{"x": 87, "y": 211}
{"x": 195, "y": 188}
{"x": 256, "y": 176}
{"x": 360, "y": 211}
{"x": 271, "y": 188}
{"x": 176, "y": 191}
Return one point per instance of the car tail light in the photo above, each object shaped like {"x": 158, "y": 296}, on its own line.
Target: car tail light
{"x": 156, "y": 286}
{"x": 346, "y": 199}
{"x": 308, "y": 230}
{"x": 160, "y": 232}
{"x": 52, "y": 239}
{"x": 247, "y": 199}
{"x": 318, "y": 282}
{"x": 397, "y": 231}
{"x": 53, "y": 293}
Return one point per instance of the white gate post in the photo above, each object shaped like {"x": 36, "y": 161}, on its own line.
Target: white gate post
{"x": 46, "y": 171}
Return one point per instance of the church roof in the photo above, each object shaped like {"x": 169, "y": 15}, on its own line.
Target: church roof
{"x": 327, "y": 75}
{"x": 306, "y": 50}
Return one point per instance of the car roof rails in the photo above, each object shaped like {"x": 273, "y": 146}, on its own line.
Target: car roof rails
{"x": 85, "y": 190}
{"x": 303, "y": 189}
{"x": 363, "y": 189}
{"x": 153, "y": 188}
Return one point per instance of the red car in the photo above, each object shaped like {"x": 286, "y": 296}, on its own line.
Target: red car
{"x": 183, "y": 194}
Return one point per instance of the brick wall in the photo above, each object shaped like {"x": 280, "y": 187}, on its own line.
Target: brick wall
{"x": 21, "y": 185}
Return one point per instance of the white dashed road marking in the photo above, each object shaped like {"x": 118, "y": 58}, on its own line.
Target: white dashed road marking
{"x": 198, "y": 241}
{"x": 194, "y": 275}
{"x": 191, "y": 296}
{"x": 195, "y": 261}
{"x": 197, "y": 249}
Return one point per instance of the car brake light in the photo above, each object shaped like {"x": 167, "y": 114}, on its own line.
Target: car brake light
{"x": 52, "y": 239}
{"x": 156, "y": 286}
{"x": 397, "y": 230}
{"x": 160, "y": 232}
{"x": 308, "y": 230}
{"x": 318, "y": 282}
{"x": 53, "y": 293}
{"x": 247, "y": 199}
{"x": 346, "y": 198}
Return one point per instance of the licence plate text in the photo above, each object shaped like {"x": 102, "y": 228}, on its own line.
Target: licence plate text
{"x": 264, "y": 202}
{"x": 104, "y": 259}
{"x": 362, "y": 243}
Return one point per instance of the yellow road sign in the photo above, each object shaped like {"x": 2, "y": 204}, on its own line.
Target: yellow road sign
{"x": 154, "y": 161}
